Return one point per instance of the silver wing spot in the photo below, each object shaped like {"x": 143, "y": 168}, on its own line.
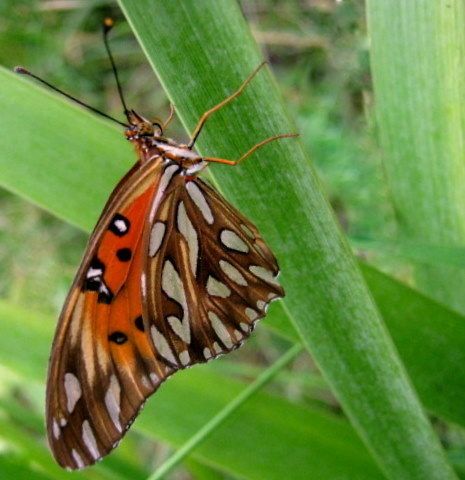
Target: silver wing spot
{"x": 199, "y": 199}
{"x": 233, "y": 273}
{"x": 73, "y": 391}
{"x": 220, "y": 330}
{"x": 89, "y": 440}
{"x": 113, "y": 402}
{"x": 232, "y": 241}
{"x": 217, "y": 288}
{"x": 156, "y": 238}
{"x": 190, "y": 234}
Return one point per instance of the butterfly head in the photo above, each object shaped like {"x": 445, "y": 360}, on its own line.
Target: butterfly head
{"x": 140, "y": 127}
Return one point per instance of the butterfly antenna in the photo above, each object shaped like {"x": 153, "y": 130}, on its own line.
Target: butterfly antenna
{"x": 107, "y": 26}
{"x": 23, "y": 71}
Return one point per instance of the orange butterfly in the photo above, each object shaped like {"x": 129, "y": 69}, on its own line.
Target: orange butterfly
{"x": 173, "y": 275}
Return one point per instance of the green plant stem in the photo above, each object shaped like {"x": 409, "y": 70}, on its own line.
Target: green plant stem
{"x": 225, "y": 413}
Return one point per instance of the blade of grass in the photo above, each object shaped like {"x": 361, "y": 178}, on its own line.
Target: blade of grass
{"x": 224, "y": 413}
{"x": 417, "y": 50}
{"x": 327, "y": 298}
{"x": 325, "y": 284}
{"x": 414, "y": 251}
{"x": 49, "y": 159}
{"x": 245, "y": 445}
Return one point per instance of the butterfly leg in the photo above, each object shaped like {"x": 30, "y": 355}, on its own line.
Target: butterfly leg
{"x": 170, "y": 117}
{"x": 220, "y": 105}
{"x": 252, "y": 150}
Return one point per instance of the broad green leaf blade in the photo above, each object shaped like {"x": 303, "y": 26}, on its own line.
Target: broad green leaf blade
{"x": 417, "y": 49}
{"x": 56, "y": 154}
{"x": 247, "y": 443}
{"x": 326, "y": 296}
{"x": 431, "y": 341}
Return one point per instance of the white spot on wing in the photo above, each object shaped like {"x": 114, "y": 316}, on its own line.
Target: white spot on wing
{"x": 77, "y": 458}
{"x": 261, "y": 304}
{"x": 164, "y": 182}
{"x": 161, "y": 345}
{"x": 56, "y": 429}
{"x": 178, "y": 329}
{"x": 251, "y": 313}
{"x": 154, "y": 379}
{"x": 73, "y": 391}
{"x": 94, "y": 272}
{"x": 206, "y": 353}
{"x": 156, "y": 238}
{"x": 190, "y": 234}
{"x": 233, "y": 273}
{"x": 232, "y": 240}
{"x": 89, "y": 440}
{"x": 217, "y": 348}
{"x": 113, "y": 402}
{"x": 220, "y": 329}
{"x": 121, "y": 225}
{"x": 217, "y": 288}
{"x": 171, "y": 284}
{"x": 264, "y": 274}
{"x": 145, "y": 381}
{"x": 184, "y": 357}
{"x": 244, "y": 327}
{"x": 238, "y": 335}
{"x": 199, "y": 199}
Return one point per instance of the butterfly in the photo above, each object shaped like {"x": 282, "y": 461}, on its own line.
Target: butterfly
{"x": 173, "y": 275}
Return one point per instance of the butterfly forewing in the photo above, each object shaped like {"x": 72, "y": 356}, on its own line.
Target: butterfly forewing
{"x": 103, "y": 363}
{"x": 209, "y": 275}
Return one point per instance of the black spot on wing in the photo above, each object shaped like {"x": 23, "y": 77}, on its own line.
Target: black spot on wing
{"x": 124, "y": 254}
{"x": 139, "y": 322}
{"x": 94, "y": 275}
{"x": 118, "y": 337}
{"x": 105, "y": 295}
{"x": 119, "y": 225}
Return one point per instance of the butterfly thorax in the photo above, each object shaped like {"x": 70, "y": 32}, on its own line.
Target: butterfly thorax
{"x": 150, "y": 144}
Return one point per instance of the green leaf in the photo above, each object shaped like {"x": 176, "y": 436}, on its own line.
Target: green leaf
{"x": 245, "y": 445}
{"x": 326, "y": 297}
{"x": 56, "y": 154}
{"x": 203, "y": 50}
{"x": 417, "y": 252}
{"x": 416, "y": 52}
{"x": 431, "y": 341}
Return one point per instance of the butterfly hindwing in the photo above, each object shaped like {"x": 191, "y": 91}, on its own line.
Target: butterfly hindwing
{"x": 209, "y": 275}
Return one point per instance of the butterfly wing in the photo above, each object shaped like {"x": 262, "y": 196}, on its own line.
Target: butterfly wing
{"x": 103, "y": 364}
{"x": 209, "y": 275}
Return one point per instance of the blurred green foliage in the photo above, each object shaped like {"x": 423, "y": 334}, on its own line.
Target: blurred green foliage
{"x": 318, "y": 50}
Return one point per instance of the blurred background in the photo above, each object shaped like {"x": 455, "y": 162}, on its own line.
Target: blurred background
{"x": 318, "y": 50}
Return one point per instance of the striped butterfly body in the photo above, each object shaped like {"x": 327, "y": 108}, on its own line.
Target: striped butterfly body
{"x": 173, "y": 275}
